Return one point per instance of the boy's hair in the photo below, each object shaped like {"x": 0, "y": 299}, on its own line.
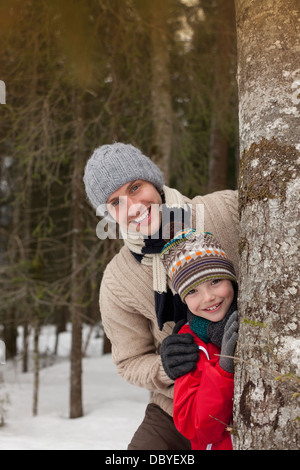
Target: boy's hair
{"x": 194, "y": 257}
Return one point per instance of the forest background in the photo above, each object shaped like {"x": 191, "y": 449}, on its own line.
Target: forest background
{"x": 163, "y": 76}
{"x": 159, "y": 75}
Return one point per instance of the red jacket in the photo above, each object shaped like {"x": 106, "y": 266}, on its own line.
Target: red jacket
{"x": 201, "y": 396}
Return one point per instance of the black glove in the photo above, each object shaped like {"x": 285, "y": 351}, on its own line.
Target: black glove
{"x": 229, "y": 343}
{"x": 179, "y": 354}
{"x": 215, "y": 330}
{"x": 178, "y": 326}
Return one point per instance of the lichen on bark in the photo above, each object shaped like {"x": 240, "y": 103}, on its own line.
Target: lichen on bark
{"x": 265, "y": 170}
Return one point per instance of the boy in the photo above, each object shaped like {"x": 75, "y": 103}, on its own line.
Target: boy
{"x": 204, "y": 277}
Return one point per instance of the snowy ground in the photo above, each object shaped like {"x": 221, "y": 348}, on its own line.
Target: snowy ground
{"x": 113, "y": 409}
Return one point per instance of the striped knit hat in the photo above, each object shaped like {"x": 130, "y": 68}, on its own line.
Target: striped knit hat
{"x": 192, "y": 258}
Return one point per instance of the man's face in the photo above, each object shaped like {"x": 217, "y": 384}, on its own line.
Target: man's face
{"x": 135, "y": 206}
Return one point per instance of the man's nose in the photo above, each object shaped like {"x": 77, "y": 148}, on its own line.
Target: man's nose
{"x": 134, "y": 209}
{"x": 127, "y": 203}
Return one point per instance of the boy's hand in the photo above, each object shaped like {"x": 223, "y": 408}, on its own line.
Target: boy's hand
{"x": 229, "y": 343}
{"x": 215, "y": 330}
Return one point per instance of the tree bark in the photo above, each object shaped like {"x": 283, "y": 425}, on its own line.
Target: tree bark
{"x": 267, "y": 365}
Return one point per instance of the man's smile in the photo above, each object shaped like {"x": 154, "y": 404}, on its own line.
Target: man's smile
{"x": 142, "y": 217}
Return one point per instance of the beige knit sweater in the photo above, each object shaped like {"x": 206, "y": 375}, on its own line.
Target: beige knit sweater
{"x": 127, "y": 303}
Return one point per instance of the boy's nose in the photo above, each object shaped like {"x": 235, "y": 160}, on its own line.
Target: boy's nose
{"x": 207, "y": 294}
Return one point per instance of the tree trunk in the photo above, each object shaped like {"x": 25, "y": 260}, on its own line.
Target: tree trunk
{"x": 221, "y": 100}
{"x": 10, "y": 333}
{"x": 25, "y": 355}
{"x": 36, "y": 367}
{"x": 27, "y": 241}
{"x": 267, "y": 366}
{"x": 61, "y": 321}
{"x": 76, "y": 409}
{"x": 4, "y": 398}
{"x": 161, "y": 88}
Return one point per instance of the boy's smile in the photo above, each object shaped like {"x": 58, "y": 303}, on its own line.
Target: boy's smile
{"x": 211, "y": 299}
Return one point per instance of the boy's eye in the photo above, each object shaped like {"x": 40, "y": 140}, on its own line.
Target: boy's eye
{"x": 115, "y": 203}
{"x": 215, "y": 281}
{"x": 191, "y": 292}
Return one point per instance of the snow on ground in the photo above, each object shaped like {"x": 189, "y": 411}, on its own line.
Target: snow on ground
{"x": 113, "y": 409}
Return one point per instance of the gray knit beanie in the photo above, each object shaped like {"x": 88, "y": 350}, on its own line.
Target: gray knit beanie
{"x": 111, "y": 166}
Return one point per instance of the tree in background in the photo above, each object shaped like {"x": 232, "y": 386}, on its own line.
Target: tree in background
{"x": 223, "y": 97}
{"x": 162, "y": 113}
{"x": 204, "y": 97}
{"x": 79, "y": 75}
{"x": 42, "y": 138}
{"x": 267, "y": 371}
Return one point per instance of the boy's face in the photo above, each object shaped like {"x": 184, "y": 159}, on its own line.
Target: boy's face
{"x": 211, "y": 299}
{"x": 135, "y": 206}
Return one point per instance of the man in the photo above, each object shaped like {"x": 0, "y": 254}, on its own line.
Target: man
{"x": 138, "y": 307}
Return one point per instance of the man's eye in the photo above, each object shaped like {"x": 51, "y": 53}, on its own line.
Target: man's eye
{"x": 135, "y": 187}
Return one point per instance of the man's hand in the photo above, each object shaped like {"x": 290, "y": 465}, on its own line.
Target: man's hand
{"x": 179, "y": 354}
